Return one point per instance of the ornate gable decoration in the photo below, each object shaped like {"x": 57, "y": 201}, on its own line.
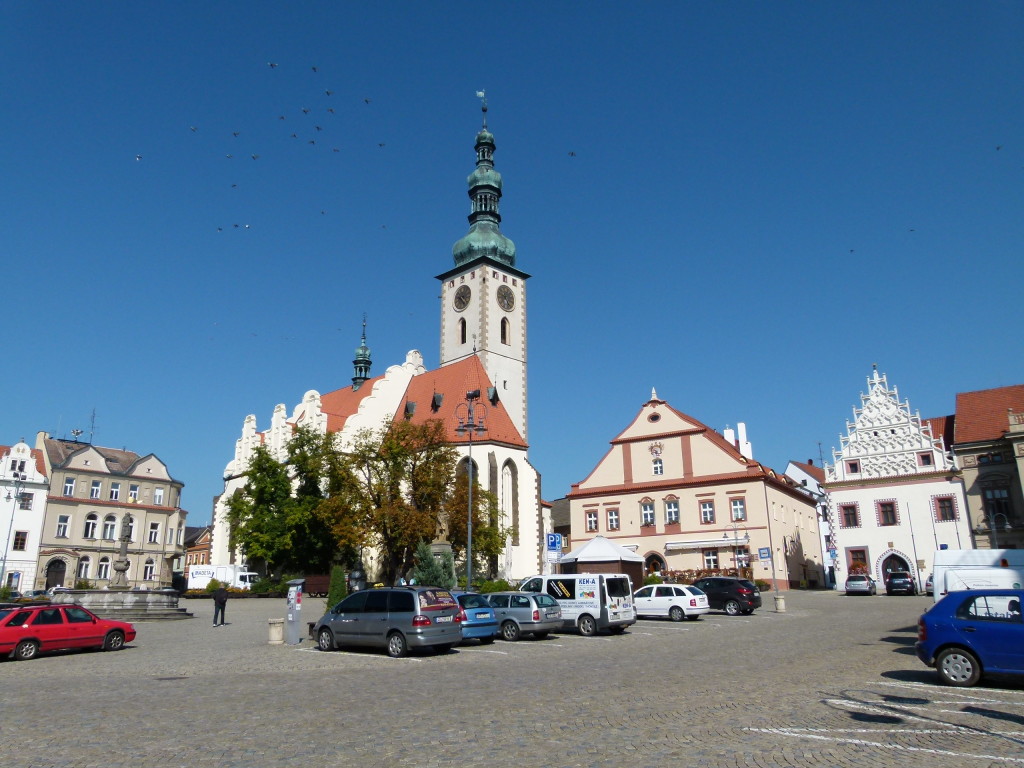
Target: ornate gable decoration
{"x": 657, "y": 448}
{"x": 886, "y": 439}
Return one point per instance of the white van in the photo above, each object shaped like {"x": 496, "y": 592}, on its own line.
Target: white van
{"x": 589, "y": 601}
{"x": 959, "y": 569}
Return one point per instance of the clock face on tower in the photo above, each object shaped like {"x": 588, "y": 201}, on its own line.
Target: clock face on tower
{"x": 462, "y": 297}
{"x": 506, "y": 299}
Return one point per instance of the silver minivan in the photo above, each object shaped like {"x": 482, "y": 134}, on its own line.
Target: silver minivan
{"x": 396, "y": 619}
{"x": 525, "y": 614}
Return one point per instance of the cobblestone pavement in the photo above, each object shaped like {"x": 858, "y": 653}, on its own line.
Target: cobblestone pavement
{"x": 831, "y": 682}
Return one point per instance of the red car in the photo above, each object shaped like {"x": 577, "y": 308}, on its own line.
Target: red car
{"x": 25, "y": 631}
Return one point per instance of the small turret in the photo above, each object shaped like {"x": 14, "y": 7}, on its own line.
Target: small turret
{"x": 362, "y": 362}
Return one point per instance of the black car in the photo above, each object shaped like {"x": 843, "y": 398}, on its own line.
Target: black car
{"x": 900, "y": 582}
{"x": 730, "y": 594}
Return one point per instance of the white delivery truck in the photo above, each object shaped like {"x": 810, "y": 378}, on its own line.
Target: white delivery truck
{"x": 957, "y": 569}
{"x": 589, "y": 601}
{"x": 229, "y": 575}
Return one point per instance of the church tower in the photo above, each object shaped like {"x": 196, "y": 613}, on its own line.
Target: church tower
{"x": 483, "y": 298}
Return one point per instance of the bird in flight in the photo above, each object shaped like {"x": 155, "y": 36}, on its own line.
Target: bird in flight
{"x": 572, "y": 154}
{"x": 381, "y": 144}
{"x": 193, "y": 128}
{"x": 272, "y": 64}
{"x": 331, "y": 110}
{"x": 228, "y": 156}
{"x": 318, "y": 128}
{"x": 313, "y": 68}
{"x": 255, "y": 157}
{"x": 235, "y": 133}
{"x": 305, "y": 111}
{"x": 138, "y": 158}
{"x": 998, "y": 147}
{"x": 366, "y": 100}
{"x": 280, "y": 117}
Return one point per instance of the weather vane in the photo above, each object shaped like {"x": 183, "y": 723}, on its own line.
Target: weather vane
{"x": 482, "y": 95}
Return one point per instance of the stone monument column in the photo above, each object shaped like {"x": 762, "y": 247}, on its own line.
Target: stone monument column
{"x": 120, "y": 580}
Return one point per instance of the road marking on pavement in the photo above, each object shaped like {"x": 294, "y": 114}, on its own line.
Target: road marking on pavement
{"x": 949, "y": 692}
{"x": 481, "y": 650}
{"x": 883, "y": 745}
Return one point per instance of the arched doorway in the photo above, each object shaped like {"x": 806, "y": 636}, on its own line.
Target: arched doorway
{"x": 654, "y": 564}
{"x": 892, "y": 563}
{"x": 56, "y": 571}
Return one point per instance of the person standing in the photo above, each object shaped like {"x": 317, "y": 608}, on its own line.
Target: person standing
{"x": 220, "y": 601}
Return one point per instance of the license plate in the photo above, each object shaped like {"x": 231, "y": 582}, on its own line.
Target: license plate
{"x": 483, "y": 616}
{"x": 443, "y": 619}
{"x": 552, "y": 614}
{"x": 757, "y": 593}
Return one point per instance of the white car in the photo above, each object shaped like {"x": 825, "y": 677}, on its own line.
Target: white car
{"x": 677, "y": 601}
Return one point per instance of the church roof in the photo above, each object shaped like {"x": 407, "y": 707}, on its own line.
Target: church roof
{"x": 982, "y": 415}
{"x": 342, "y": 403}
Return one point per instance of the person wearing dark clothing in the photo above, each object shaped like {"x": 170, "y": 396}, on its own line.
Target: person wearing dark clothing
{"x": 220, "y": 601}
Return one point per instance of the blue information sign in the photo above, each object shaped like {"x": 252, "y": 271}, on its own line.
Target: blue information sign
{"x": 764, "y": 553}
{"x": 554, "y": 542}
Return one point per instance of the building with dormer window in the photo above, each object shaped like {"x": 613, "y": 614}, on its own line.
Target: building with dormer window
{"x": 895, "y": 494}
{"x": 23, "y": 487}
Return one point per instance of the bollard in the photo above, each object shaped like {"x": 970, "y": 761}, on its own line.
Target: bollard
{"x": 276, "y": 627}
{"x": 780, "y": 603}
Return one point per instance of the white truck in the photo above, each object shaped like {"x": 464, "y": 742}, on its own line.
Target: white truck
{"x": 957, "y": 569}
{"x": 229, "y": 575}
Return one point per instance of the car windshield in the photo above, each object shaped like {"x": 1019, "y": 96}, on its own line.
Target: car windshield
{"x": 473, "y": 601}
{"x": 546, "y": 601}
{"x": 694, "y": 590}
{"x": 858, "y": 578}
{"x": 618, "y": 587}
{"x": 747, "y": 584}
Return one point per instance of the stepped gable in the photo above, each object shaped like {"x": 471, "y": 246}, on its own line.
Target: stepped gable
{"x": 453, "y": 381}
{"x": 342, "y": 403}
{"x": 982, "y": 415}
{"x": 942, "y": 429}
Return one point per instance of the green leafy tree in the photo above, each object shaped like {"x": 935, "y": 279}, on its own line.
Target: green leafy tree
{"x": 433, "y": 571}
{"x": 338, "y": 590}
{"x": 258, "y": 513}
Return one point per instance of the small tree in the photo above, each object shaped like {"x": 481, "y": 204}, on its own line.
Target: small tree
{"x": 338, "y": 590}
{"x": 429, "y": 570}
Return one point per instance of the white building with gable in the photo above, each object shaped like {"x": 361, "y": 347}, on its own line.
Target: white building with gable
{"x": 895, "y": 494}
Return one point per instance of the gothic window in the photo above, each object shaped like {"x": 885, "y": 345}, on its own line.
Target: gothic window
{"x": 462, "y": 330}
{"x": 671, "y": 512}
{"x": 505, "y": 333}
{"x": 90, "y": 525}
{"x": 707, "y": 512}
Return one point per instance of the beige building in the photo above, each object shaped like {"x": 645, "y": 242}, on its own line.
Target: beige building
{"x": 685, "y": 498}
{"x": 93, "y": 492}
{"x": 989, "y": 446}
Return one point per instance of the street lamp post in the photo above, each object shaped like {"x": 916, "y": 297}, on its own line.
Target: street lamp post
{"x": 19, "y": 489}
{"x": 992, "y": 526}
{"x": 469, "y": 424}
{"x": 736, "y": 543}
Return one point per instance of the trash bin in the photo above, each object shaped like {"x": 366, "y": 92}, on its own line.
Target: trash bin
{"x": 276, "y": 627}
{"x": 780, "y": 603}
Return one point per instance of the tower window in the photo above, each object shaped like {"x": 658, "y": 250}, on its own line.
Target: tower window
{"x": 462, "y": 330}
{"x": 504, "y": 330}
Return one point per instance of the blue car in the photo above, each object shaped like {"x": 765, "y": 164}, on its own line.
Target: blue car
{"x": 476, "y": 617}
{"x": 973, "y": 633}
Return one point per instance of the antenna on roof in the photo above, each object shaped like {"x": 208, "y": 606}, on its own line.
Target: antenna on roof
{"x": 92, "y": 427}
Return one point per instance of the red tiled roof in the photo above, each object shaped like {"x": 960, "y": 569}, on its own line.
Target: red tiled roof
{"x": 982, "y": 415}
{"x": 942, "y": 428}
{"x": 811, "y": 469}
{"x": 342, "y": 403}
{"x": 453, "y": 381}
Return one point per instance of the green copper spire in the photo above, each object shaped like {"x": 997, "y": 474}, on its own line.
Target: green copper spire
{"x": 362, "y": 361}
{"x": 484, "y": 238}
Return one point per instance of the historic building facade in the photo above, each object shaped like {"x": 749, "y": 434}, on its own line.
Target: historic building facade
{"x": 482, "y": 349}
{"x": 989, "y": 446}
{"x": 23, "y": 487}
{"x": 93, "y": 492}
{"x": 895, "y": 494}
{"x": 687, "y": 498}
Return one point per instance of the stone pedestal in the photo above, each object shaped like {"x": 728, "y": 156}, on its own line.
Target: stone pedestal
{"x": 125, "y": 605}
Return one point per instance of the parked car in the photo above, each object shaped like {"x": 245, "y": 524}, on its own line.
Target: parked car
{"x": 476, "y": 617}
{"x": 971, "y": 633}
{"x": 522, "y": 613}
{"x": 900, "y": 582}
{"x": 730, "y": 594}
{"x": 929, "y": 584}
{"x": 393, "y": 618}
{"x": 860, "y": 584}
{"x": 677, "y": 601}
{"x": 26, "y": 631}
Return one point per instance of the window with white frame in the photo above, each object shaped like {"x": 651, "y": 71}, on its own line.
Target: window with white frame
{"x": 647, "y": 513}
{"x": 591, "y": 520}
{"x": 170, "y": 535}
{"x": 69, "y": 486}
{"x": 95, "y": 489}
{"x": 707, "y": 512}
{"x": 131, "y": 528}
{"x": 109, "y": 527}
{"x": 710, "y": 558}
{"x": 739, "y": 510}
{"x": 83, "y": 567}
{"x": 742, "y": 557}
{"x": 659, "y": 467}
{"x": 133, "y": 492}
{"x": 158, "y": 496}
{"x": 180, "y": 533}
{"x": 115, "y": 491}
{"x": 148, "y": 570}
{"x": 63, "y": 521}
{"x": 671, "y": 511}
{"x": 103, "y": 571}
{"x": 91, "y": 521}
{"x": 613, "y": 519}
{"x": 154, "y": 533}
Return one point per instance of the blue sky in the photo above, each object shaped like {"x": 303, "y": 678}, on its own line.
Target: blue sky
{"x": 764, "y": 199}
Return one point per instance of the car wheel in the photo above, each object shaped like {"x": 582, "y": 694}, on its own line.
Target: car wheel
{"x": 325, "y": 640}
{"x": 958, "y": 667}
{"x": 586, "y": 625}
{"x": 25, "y": 650}
{"x": 732, "y": 607}
{"x": 114, "y": 641}
{"x": 397, "y": 647}
{"x": 540, "y": 635}
{"x": 676, "y": 613}
{"x": 510, "y": 631}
